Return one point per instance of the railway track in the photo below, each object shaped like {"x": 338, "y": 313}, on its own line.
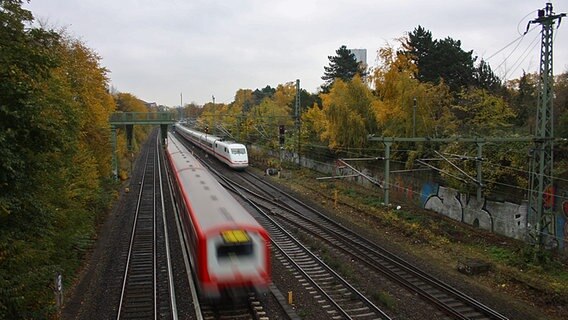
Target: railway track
{"x": 250, "y": 308}
{"x": 337, "y": 297}
{"x": 291, "y": 211}
{"x": 147, "y": 287}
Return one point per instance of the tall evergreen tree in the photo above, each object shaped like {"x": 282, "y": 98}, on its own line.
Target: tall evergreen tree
{"x": 452, "y": 64}
{"x": 524, "y": 99}
{"x": 419, "y": 48}
{"x": 343, "y": 66}
{"x": 440, "y": 60}
{"x": 484, "y": 78}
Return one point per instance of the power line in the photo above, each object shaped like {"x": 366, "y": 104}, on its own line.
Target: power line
{"x": 534, "y": 43}
{"x": 509, "y": 44}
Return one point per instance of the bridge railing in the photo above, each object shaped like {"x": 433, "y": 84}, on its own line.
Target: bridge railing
{"x": 118, "y": 118}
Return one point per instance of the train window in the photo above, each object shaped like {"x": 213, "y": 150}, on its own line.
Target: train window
{"x": 226, "y": 251}
{"x": 239, "y": 151}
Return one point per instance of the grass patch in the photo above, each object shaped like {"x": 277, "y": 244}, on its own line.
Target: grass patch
{"x": 385, "y": 299}
{"x": 501, "y": 255}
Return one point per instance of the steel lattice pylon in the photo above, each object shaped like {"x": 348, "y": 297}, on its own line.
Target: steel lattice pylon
{"x": 541, "y": 216}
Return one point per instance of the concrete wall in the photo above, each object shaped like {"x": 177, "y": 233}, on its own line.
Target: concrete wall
{"x": 505, "y": 218}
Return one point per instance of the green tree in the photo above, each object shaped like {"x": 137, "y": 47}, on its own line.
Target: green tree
{"x": 523, "y": 99}
{"x": 484, "y": 78}
{"x": 561, "y": 125}
{"x": 25, "y": 62}
{"x": 481, "y": 113}
{"x": 499, "y": 170}
{"x": 53, "y": 136}
{"x": 259, "y": 95}
{"x": 343, "y": 66}
{"x": 418, "y": 48}
{"x": 561, "y": 103}
{"x": 440, "y": 60}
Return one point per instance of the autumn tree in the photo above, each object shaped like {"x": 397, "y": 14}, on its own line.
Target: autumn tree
{"x": 209, "y": 116}
{"x": 349, "y": 115}
{"x": 342, "y": 66}
{"x": 87, "y": 82}
{"x": 244, "y": 99}
{"x": 191, "y": 111}
{"x": 561, "y": 103}
{"x": 314, "y": 124}
{"x": 397, "y": 89}
{"x": 262, "y": 120}
{"x": 480, "y": 113}
{"x": 53, "y": 130}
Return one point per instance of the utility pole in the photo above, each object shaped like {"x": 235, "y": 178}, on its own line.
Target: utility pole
{"x": 541, "y": 217}
{"x": 297, "y": 114}
{"x": 414, "y": 118}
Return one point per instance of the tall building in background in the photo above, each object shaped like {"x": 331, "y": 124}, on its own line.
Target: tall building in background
{"x": 360, "y": 55}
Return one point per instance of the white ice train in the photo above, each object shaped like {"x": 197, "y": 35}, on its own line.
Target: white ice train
{"x": 229, "y": 152}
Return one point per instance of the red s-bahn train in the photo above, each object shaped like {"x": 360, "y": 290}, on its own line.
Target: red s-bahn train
{"x": 229, "y": 248}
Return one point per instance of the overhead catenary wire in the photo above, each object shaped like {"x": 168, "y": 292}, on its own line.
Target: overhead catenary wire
{"x": 524, "y": 55}
{"x": 519, "y": 39}
{"x": 506, "y": 59}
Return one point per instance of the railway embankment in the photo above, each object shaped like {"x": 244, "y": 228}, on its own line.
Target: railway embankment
{"x": 442, "y": 245}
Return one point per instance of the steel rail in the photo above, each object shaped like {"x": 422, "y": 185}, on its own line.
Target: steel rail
{"x": 131, "y": 245}
{"x": 351, "y": 238}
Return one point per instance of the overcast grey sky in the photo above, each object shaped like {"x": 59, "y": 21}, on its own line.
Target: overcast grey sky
{"x": 157, "y": 49}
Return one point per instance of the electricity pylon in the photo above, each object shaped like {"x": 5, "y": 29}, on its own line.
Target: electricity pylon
{"x": 541, "y": 199}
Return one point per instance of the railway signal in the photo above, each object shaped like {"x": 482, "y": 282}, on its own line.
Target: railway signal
{"x": 281, "y": 133}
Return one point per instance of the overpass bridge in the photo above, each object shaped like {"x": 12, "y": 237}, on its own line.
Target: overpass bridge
{"x": 129, "y": 119}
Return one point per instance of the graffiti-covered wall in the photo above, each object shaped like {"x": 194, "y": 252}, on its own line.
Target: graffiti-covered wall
{"x": 502, "y": 217}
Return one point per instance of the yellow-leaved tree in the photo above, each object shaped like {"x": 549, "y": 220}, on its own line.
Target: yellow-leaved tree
{"x": 348, "y": 112}
{"x": 262, "y": 120}
{"x": 239, "y": 108}
{"x": 210, "y": 117}
{"x": 397, "y": 88}
{"x": 127, "y": 102}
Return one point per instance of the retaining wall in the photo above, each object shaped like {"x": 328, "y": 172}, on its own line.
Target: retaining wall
{"x": 502, "y": 217}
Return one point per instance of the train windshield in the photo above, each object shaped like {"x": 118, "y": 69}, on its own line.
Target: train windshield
{"x": 238, "y": 151}
{"x": 234, "y": 250}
